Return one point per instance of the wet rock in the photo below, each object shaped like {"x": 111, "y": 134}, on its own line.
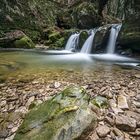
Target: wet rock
{"x": 125, "y": 123}
{"x": 102, "y": 131}
{"x": 65, "y": 116}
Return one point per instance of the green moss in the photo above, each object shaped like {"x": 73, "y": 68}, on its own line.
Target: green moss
{"x": 54, "y": 36}
{"x": 60, "y": 42}
{"x": 24, "y": 42}
{"x": 82, "y": 38}
{"x": 100, "y": 102}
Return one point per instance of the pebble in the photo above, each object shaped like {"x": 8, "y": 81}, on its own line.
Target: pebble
{"x": 137, "y": 104}
{"x": 102, "y": 131}
{"x": 11, "y": 137}
{"x": 94, "y": 136}
{"x": 122, "y": 102}
{"x": 30, "y": 100}
{"x": 14, "y": 129}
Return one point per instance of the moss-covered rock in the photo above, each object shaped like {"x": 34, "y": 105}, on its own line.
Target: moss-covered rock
{"x": 24, "y": 42}
{"x": 82, "y": 38}
{"x": 16, "y": 39}
{"x": 100, "y": 102}
{"x": 66, "y": 116}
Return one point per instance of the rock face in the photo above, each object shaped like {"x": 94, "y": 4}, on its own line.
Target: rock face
{"x": 128, "y": 12}
{"x": 85, "y": 15}
{"x": 29, "y": 15}
{"x": 66, "y": 116}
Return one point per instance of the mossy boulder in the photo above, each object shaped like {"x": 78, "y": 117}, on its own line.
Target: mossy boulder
{"x": 67, "y": 116}
{"x": 24, "y": 42}
{"x": 16, "y": 39}
{"x": 82, "y": 38}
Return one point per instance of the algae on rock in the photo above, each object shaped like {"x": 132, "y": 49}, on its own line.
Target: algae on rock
{"x": 66, "y": 116}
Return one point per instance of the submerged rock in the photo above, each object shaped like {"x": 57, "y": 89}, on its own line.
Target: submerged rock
{"x": 66, "y": 116}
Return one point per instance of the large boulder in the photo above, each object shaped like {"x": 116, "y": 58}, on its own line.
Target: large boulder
{"x": 16, "y": 39}
{"x": 66, "y": 116}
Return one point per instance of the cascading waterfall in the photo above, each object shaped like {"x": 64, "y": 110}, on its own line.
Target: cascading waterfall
{"x": 87, "y": 47}
{"x": 112, "y": 38}
{"x": 73, "y": 42}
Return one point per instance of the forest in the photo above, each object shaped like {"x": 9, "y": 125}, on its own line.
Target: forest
{"x": 70, "y": 70}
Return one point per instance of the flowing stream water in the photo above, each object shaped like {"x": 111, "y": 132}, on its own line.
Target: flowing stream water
{"x": 115, "y": 29}
{"x": 23, "y": 63}
{"x": 88, "y": 43}
{"x": 72, "y": 42}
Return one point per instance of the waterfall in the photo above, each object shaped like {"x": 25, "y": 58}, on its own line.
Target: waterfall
{"x": 72, "y": 42}
{"x": 87, "y": 47}
{"x": 113, "y": 37}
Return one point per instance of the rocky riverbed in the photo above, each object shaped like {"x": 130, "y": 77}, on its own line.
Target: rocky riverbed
{"x": 120, "y": 121}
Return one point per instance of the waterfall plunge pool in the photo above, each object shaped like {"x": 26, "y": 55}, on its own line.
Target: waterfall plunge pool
{"x": 54, "y": 64}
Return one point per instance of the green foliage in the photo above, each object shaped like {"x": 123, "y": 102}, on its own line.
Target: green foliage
{"x": 33, "y": 34}
{"x": 54, "y": 36}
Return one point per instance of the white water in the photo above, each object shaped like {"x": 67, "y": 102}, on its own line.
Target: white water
{"x": 112, "y": 38}
{"x": 72, "y": 42}
{"x": 87, "y": 47}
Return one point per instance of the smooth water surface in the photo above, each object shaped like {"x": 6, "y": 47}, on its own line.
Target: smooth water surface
{"x": 23, "y": 63}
